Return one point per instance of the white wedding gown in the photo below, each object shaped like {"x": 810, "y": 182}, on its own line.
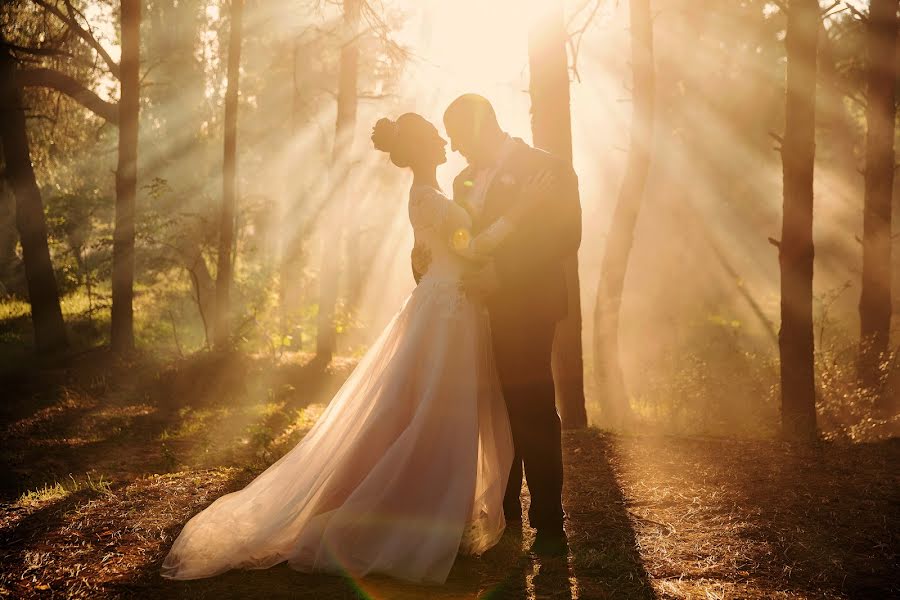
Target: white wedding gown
{"x": 408, "y": 464}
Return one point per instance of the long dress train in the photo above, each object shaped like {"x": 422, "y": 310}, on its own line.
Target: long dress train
{"x": 406, "y": 467}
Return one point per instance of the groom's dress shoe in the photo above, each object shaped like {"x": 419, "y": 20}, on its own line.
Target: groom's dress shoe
{"x": 550, "y": 543}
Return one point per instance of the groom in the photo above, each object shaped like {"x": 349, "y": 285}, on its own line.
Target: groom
{"x": 525, "y": 291}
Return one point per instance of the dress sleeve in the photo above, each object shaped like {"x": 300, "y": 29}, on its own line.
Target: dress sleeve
{"x": 488, "y": 240}
{"x": 429, "y": 209}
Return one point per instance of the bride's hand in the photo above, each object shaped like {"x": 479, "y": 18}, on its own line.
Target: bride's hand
{"x": 462, "y": 244}
{"x": 487, "y": 241}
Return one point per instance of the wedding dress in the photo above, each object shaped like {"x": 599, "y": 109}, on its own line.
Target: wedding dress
{"x": 408, "y": 464}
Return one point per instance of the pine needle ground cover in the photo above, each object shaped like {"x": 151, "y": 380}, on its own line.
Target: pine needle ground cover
{"x": 104, "y": 462}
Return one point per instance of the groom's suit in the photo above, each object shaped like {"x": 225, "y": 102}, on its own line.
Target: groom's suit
{"x": 524, "y": 311}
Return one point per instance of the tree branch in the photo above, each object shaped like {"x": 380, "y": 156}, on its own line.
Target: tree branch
{"x": 574, "y": 37}
{"x": 35, "y": 51}
{"x": 859, "y": 15}
{"x": 835, "y": 4}
{"x": 84, "y": 33}
{"x": 52, "y": 79}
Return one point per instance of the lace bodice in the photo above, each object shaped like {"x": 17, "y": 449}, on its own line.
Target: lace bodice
{"x": 436, "y": 221}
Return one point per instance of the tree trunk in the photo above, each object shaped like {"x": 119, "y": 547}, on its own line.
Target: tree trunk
{"x": 9, "y": 239}
{"x": 551, "y": 126}
{"x": 607, "y": 364}
{"x": 875, "y": 301}
{"x": 834, "y": 120}
{"x": 222, "y": 329}
{"x": 190, "y": 253}
{"x": 795, "y": 338}
{"x": 326, "y": 338}
{"x": 46, "y": 315}
{"x": 122, "y": 314}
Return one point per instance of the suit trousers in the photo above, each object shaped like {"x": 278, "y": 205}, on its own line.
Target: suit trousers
{"x": 522, "y": 350}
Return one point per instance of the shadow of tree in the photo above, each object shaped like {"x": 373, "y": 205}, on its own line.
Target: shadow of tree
{"x": 759, "y": 518}
{"x": 603, "y": 561}
{"x": 42, "y": 519}
{"x": 54, "y": 425}
{"x": 28, "y": 532}
{"x": 136, "y": 525}
{"x": 602, "y": 537}
{"x": 818, "y": 523}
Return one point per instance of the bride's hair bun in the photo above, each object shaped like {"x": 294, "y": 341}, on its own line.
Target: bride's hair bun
{"x": 385, "y": 135}
{"x": 404, "y": 138}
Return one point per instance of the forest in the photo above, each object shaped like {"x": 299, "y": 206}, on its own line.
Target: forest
{"x": 198, "y": 243}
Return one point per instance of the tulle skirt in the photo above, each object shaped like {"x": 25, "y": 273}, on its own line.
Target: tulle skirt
{"x": 406, "y": 467}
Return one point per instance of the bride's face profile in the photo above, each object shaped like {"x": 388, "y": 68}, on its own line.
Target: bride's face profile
{"x": 428, "y": 147}
{"x": 436, "y": 149}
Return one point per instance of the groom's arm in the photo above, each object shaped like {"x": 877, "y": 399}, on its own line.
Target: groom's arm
{"x": 550, "y": 233}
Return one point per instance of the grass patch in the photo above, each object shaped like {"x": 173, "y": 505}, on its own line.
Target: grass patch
{"x": 59, "y": 490}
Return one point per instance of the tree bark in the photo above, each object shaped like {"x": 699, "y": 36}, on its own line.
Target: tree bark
{"x": 875, "y": 300}
{"x": 122, "y": 313}
{"x": 222, "y": 328}
{"x": 10, "y": 265}
{"x": 796, "y": 252}
{"x": 834, "y": 120}
{"x": 190, "y": 253}
{"x": 43, "y": 294}
{"x": 326, "y": 338}
{"x": 607, "y": 364}
{"x": 551, "y": 125}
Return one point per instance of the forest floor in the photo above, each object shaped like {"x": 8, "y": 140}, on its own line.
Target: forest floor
{"x": 104, "y": 462}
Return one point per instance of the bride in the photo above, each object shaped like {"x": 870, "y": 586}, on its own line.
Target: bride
{"x": 408, "y": 465}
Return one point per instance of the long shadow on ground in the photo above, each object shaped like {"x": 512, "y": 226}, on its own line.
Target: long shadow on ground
{"x": 94, "y": 544}
{"x": 603, "y": 561}
{"x": 763, "y": 519}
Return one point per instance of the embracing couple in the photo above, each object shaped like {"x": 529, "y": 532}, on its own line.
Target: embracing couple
{"x": 420, "y": 455}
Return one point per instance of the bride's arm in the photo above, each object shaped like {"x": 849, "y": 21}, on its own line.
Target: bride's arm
{"x": 430, "y": 209}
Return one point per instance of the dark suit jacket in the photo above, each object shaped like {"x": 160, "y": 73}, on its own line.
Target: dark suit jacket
{"x": 530, "y": 261}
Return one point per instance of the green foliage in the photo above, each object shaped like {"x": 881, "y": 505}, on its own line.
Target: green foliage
{"x": 169, "y": 460}
{"x": 847, "y": 410}
{"x": 260, "y": 438}
{"x": 718, "y": 383}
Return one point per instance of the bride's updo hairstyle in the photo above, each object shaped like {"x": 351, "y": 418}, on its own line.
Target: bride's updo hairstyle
{"x": 405, "y": 139}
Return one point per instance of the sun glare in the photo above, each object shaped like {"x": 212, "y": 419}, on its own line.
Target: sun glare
{"x": 483, "y": 42}
{"x": 470, "y": 46}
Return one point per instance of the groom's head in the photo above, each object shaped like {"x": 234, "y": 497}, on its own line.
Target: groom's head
{"x": 473, "y": 129}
